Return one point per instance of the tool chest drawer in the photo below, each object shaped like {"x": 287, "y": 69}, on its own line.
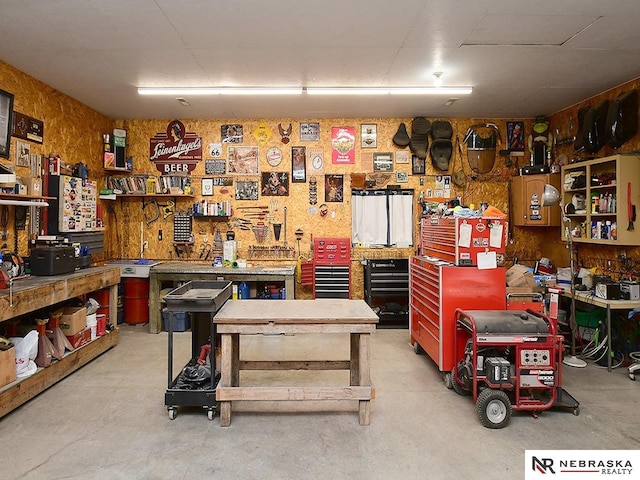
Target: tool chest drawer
{"x": 332, "y": 281}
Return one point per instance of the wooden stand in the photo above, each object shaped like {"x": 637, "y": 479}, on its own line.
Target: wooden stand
{"x": 34, "y": 293}
{"x": 237, "y": 318}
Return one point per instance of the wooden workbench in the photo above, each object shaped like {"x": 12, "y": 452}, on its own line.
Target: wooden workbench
{"x": 237, "y": 318}
{"x": 187, "y": 271}
{"x": 33, "y": 293}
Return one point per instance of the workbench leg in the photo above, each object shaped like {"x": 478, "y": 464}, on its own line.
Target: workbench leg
{"x": 154, "y": 304}
{"x": 354, "y": 359}
{"x": 364, "y": 377}
{"x": 226, "y": 377}
{"x": 608, "y": 326}
{"x": 235, "y": 360}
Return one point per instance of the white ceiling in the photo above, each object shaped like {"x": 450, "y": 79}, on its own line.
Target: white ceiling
{"x": 522, "y": 58}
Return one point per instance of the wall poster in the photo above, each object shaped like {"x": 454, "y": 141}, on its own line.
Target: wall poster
{"x": 343, "y": 142}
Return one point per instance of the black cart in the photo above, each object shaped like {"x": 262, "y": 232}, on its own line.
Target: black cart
{"x": 202, "y": 299}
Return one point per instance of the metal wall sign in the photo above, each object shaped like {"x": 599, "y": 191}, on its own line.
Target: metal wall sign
{"x": 176, "y": 150}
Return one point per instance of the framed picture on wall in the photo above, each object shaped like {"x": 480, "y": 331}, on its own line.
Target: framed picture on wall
{"x": 6, "y": 111}
{"x": 417, "y": 165}
{"x": 515, "y": 135}
{"x": 369, "y": 135}
{"x": 298, "y": 164}
{"x": 207, "y": 187}
{"x": 333, "y": 188}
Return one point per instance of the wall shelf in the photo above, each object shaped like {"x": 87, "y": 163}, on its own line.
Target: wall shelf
{"x": 24, "y": 200}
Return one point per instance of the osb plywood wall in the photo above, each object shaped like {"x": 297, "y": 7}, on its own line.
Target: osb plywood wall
{"x": 132, "y": 230}
{"x": 70, "y": 129}
{"x": 75, "y": 132}
{"x": 605, "y": 258}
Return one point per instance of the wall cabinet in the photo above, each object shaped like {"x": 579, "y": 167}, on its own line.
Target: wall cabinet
{"x": 526, "y": 201}
{"x": 600, "y": 194}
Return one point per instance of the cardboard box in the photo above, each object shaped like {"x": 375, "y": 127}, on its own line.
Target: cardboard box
{"x": 73, "y": 320}
{"x": 34, "y": 187}
{"x": 7, "y": 366}
{"x": 520, "y": 276}
{"x": 81, "y": 338}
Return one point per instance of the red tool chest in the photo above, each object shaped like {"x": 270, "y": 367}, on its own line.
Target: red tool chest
{"x": 436, "y": 289}
{"x": 332, "y": 268}
{"x": 459, "y": 240}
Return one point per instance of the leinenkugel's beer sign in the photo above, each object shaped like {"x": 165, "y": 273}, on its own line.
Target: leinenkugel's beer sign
{"x": 176, "y": 150}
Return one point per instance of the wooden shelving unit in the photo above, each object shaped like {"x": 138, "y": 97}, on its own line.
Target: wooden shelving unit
{"x": 620, "y": 173}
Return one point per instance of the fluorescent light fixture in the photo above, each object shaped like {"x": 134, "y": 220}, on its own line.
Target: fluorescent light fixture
{"x": 431, "y": 91}
{"x": 347, "y": 91}
{"x": 390, "y": 91}
{"x": 184, "y": 91}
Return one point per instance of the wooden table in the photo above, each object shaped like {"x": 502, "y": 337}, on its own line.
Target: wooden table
{"x": 237, "y": 318}
{"x": 187, "y": 271}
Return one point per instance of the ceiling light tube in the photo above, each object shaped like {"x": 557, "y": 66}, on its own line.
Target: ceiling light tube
{"x": 431, "y": 91}
{"x": 347, "y": 91}
{"x": 389, "y": 90}
{"x": 184, "y": 91}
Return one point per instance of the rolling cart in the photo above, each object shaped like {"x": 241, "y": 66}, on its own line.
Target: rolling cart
{"x": 509, "y": 360}
{"x": 195, "y": 385}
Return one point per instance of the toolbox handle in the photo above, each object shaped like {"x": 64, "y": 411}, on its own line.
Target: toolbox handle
{"x": 537, "y": 297}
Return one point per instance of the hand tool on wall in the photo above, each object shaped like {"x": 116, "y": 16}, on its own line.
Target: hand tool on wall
{"x": 285, "y": 226}
{"x": 167, "y": 209}
{"x": 153, "y": 214}
{"x": 631, "y": 209}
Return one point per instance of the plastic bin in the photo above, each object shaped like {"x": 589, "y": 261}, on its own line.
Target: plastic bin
{"x": 592, "y": 318}
{"x": 181, "y": 321}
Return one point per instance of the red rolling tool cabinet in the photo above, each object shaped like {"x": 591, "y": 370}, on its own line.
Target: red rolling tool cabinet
{"x": 436, "y": 289}
{"x": 332, "y": 268}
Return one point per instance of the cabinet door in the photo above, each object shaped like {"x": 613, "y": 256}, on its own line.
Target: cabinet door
{"x": 527, "y": 201}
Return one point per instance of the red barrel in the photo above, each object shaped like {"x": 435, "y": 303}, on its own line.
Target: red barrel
{"x": 136, "y": 300}
{"x": 102, "y": 297}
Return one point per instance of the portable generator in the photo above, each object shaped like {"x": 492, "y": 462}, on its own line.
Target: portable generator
{"x": 509, "y": 360}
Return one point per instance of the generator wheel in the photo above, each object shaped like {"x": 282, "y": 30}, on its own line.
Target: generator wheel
{"x": 459, "y": 389}
{"x": 448, "y": 380}
{"x": 417, "y": 348}
{"x": 494, "y": 408}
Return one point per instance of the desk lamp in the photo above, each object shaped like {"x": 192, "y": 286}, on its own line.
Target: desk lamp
{"x": 551, "y": 196}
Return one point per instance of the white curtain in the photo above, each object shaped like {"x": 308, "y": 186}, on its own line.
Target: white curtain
{"x": 382, "y": 217}
{"x": 400, "y": 218}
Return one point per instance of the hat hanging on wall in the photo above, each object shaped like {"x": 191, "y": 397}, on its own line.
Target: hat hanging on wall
{"x": 401, "y": 138}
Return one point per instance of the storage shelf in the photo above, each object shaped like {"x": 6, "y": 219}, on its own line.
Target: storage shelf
{"x": 149, "y": 195}
{"x": 627, "y": 171}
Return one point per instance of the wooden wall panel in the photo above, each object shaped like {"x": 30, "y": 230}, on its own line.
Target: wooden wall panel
{"x": 71, "y": 129}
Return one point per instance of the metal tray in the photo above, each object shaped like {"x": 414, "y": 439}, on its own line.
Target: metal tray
{"x": 198, "y": 296}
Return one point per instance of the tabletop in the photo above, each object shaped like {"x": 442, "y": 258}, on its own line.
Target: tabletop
{"x": 296, "y": 311}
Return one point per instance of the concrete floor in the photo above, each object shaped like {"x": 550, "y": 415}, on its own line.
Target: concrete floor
{"x": 108, "y": 421}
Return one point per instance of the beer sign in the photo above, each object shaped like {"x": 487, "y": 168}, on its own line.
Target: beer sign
{"x": 176, "y": 150}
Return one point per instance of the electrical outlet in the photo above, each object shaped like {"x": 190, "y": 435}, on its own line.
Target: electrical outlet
{"x": 145, "y": 245}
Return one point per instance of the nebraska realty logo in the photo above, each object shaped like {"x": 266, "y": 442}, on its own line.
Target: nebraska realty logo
{"x": 563, "y": 464}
